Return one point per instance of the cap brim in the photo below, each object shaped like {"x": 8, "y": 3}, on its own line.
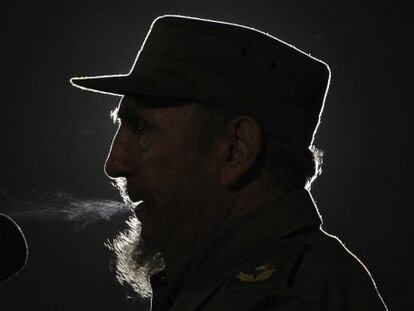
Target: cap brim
{"x": 125, "y": 84}
{"x": 109, "y": 84}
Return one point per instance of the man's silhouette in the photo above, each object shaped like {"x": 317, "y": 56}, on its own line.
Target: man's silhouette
{"x": 214, "y": 148}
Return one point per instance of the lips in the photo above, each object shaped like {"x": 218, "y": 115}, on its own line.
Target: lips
{"x": 134, "y": 195}
{"x": 138, "y": 207}
{"x": 139, "y": 198}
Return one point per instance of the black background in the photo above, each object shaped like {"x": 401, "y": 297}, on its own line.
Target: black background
{"x": 55, "y": 137}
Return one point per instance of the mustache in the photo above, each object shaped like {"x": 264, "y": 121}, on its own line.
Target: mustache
{"x": 62, "y": 206}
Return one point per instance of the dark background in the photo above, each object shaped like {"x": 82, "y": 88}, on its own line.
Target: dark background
{"x": 55, "y": 137}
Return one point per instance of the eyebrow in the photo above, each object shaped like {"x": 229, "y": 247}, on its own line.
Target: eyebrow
{"x": 128, "y": 114}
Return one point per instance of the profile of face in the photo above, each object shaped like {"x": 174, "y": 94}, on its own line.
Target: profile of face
{"x": 159, "y": 156}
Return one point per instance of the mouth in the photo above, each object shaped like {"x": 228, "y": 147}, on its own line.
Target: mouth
{"x": 138, "y": 207}
{"x": 136, "y": 197}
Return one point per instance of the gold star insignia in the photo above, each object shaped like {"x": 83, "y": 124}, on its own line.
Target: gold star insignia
{"x": 264, "y": 272}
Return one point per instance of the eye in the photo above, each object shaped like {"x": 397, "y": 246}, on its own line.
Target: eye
{"x": 137, "y": 127}
{"x": 139, "y": 130}
{"x": 143, "y": 137}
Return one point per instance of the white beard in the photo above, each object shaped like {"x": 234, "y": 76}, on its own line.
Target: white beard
{"x": 134, "y": 264}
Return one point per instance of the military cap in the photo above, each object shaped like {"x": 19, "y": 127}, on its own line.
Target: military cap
{"x": 229, "y": 66}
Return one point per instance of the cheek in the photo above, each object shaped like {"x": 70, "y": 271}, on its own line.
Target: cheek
{"x": 173, "y": 179}
{"x": 171, "y": 158}
{"x": 173, "y": 168}
{"x": 171, "y": 171}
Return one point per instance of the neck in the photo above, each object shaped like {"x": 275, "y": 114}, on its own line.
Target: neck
{"x": 255, "y": 195}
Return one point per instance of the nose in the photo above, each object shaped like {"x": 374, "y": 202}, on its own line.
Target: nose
{"x": 120, "y": 161}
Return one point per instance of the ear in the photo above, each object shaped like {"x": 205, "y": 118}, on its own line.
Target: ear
{"x": 243, "y": 146}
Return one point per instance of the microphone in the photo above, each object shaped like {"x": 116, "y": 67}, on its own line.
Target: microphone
{"x": 13, "y": 248}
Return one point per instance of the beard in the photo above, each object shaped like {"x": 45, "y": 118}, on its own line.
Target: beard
{"x": 171, "y": 227}
{"x": 134, "y": 263}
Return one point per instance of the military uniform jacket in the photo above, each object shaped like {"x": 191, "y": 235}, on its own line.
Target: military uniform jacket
{"x": 278, "y": 258}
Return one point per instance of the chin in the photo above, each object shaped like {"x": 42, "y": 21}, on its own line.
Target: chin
{"x": 134, "y": 263}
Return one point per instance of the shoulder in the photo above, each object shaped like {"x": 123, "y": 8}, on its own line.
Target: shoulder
{"x": 330, "y": 273}
{"x": 307, "y": 271}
